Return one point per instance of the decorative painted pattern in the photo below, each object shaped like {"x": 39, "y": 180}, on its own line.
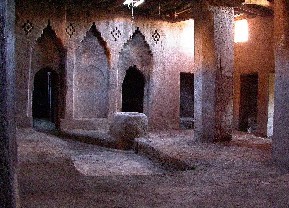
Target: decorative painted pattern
{"x": 27, "y": 27}
{"x": 70, "y": 30}
{"x": 156, "y": 36}
{"x": 116, "y": 33}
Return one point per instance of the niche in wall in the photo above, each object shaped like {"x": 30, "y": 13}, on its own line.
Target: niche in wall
{"x": 91, "y": 77}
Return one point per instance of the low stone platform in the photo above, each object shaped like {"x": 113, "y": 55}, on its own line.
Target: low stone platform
{"x": 157, "y": 148}
{"x": 178, "y": 150}
{"x": 62, "y": 157}
{"x": 153, "y": 146}
{"x": 121, "y": 134}
{"x": 102, "y": 139}
{"x": 60, "y": 172}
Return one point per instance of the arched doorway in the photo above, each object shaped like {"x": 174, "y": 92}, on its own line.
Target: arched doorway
{"x": 133, "y": 91}
{"x": 45, "y": 99}
{"x": 135, "y": 52}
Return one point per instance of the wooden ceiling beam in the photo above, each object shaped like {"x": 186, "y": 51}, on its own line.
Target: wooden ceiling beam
{"x": 227, "y": 3}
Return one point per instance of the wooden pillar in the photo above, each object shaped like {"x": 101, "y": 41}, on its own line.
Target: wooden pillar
{"x": 8, "y": 149}
{"x": 214, "y": 76}
{"x": 281, "y": 108}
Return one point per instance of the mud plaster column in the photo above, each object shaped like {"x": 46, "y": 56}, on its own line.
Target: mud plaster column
{"x": 70, "y": 43}
{"x": 69, "y": 76}
{"x": 113, "y": 82}
{"x": 214, "y": 74}
{"x": 281, "y": 109}
{"x": 23, "y": 77}
{"x": 263, "y": 99}
{"x": 8, "y": 149}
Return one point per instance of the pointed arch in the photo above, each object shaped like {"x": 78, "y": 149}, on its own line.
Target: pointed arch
{"x": 136, "y": 51}
{"x": 93, "y": 32}
{"x": 138, "y": 35}
{"x": 49, "y": 34}
{"x": 91, "y": 77}
{"x": 50, "y": 47}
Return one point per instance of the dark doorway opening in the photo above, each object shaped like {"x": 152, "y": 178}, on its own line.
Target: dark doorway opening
{"x": 133, "y": 91}
{"x": 186, "y": 100}
{"x": 248, "y": 103}
{"x": 45, "y": 99}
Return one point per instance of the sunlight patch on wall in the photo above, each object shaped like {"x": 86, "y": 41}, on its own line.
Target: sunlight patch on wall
{"x": 241, "y": 31}
{"x": 187, "y": 37}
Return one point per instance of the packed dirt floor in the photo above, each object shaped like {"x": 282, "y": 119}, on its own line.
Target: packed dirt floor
{"x": 61, "y": 172}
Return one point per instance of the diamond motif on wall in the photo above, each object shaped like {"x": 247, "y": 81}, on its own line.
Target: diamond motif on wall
{"x": 27, "y": 27}
{"x": 70, "y": 30}
{"x": 115, "y": 33}
{"x": 156, "y": 36}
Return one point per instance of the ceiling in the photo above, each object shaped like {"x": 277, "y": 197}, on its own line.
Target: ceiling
{"x": 170, "y": 10}
{"x": 176, "y": 10}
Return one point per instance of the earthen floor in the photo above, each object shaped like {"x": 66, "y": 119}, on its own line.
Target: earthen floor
{"x": 57, "y": 172}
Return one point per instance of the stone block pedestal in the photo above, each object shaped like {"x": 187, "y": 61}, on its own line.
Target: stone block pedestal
{"x": 126, "y": 126}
